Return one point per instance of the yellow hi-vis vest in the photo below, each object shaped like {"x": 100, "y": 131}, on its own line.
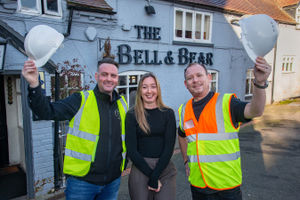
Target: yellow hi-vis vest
{"x": 83, "y": 135}
{"x": 213, "y": 145}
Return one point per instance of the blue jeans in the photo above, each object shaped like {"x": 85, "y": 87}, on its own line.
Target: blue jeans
{"x": 82, "y": 190}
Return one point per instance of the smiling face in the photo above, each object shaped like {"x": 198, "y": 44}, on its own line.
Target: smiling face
{"x": 149, "y": 92}
{"x": 197, "y": 81}
{"x": 107, "y": 78}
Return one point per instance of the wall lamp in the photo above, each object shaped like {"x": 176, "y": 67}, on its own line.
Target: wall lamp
{"x": 149, "y": 9}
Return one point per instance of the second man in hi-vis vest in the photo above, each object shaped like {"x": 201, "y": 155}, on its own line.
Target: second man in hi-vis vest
{"x": 95, "y": 146}
{"x": 208, "y": 132}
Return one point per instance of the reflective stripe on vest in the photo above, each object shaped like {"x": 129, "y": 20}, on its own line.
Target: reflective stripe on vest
{"x": 213, "y": 147}
{"x": 83, "y": 135}
{"x": 212, "y": 136}
{"x": 78, "y": 155}
{"x": 214, "y": 158}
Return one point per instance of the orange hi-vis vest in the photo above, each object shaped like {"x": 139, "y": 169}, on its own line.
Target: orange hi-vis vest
{"x": 213, "y": 145}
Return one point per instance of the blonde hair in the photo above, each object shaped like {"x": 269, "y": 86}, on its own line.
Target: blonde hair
{"x": 140, "y": 112}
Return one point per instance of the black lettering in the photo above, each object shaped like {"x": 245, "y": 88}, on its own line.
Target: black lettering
{"x": 147, "y": 58}
{"x": 137, "y": 56}
{"x": 147, "y": 32}
{"x": 138, "y": 31}
{"x": 201, "y": 58}
{"x": 209, "y": 57}
{"x": 124, "y": 51}
{"x": 192, "y": 56}
{"x": 156, "y": 35}
{"x": 183, "y": 56}
{"x": 156, "y": 62}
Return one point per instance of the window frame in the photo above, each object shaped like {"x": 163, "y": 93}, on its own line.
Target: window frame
{"x": 66, "y": 86}
{"x": 285, "y": 65}
{"x": 194, "y": 13}
{"x": 138, "y": 73}
{"x": 210, "y": 71}
{"x": 248, "y": 94}
{"x": 40, "y": 10}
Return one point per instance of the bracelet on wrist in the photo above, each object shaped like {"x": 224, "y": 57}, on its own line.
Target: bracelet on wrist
{"x": 185, "y": 162}
{"x": 260, "y": 86}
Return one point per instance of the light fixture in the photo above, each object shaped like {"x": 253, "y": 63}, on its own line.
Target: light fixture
{"x": 149, "y": 9}
{"x": 2, "y": 54}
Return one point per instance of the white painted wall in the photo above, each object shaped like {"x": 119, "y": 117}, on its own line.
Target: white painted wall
{"x": 287, "y": 85}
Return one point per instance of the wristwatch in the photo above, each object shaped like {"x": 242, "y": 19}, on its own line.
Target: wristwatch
{"x": 261, "y": 86}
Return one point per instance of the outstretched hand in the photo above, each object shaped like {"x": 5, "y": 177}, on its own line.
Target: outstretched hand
{"x": 262, "y": 70}
{"x": 30, "y": 73}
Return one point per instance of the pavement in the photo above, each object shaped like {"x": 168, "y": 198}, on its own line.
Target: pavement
{"x": 270, "y": 152}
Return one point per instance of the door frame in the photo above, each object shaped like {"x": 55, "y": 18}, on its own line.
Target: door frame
{"x": 27, "y": 129}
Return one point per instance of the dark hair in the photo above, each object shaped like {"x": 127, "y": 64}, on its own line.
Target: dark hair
{"x": 191, "y": 64}
{"x": 109, "y": 61}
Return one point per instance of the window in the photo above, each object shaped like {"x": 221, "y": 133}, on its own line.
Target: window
{"x": 297, "y": 17}
{"x": 71, "y": 81}
{"x": 128, "y": 82}
{"x": 192, "y": 26}
{"x": 214, "y": 80}
{"x": 249, "y": 84}
{"x": 288, "y": 64}
{"x": 47, "y": 7}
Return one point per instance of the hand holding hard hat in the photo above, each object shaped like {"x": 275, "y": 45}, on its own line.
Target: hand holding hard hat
{"x": 41, "y": 43}
{"x": 259, "y": 35}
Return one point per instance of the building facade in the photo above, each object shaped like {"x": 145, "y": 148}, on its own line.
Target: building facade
{"x": 162, "y": 37}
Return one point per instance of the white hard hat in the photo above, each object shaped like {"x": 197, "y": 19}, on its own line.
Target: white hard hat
{"x": 259, "y": 35}
{"x": 41, "y": 42}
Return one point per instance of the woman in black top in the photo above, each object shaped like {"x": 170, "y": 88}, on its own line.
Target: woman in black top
{"x": 150, "y": 139}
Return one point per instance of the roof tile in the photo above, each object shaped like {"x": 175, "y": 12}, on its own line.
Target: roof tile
{"x": 268, "y": 7}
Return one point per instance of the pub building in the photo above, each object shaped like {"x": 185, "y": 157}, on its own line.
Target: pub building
{"x": 159, "y": 36}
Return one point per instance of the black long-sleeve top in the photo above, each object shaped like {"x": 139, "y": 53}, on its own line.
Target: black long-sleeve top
{"x": 108, "y": 158}
{"x": 159, "y": 143}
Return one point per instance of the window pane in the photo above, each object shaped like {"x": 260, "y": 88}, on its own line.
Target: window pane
{"x": 122, "y": 91}
{"x": 29, "y": 4}
{"x": 178, "y": 30}
{"x": 52, "y": 5}
{"x": 213, "y": 76}
{"x": 282, "y": 68}
{"x": 123, "y": 80}
{"x": 287, "y": 67}
{"x": 206, "y": 27}
{"x": 133, "y": 79}
{"x": 132, "y": 94}
{"x": 188, "y": 25}
{"x": 247, "y": 86}
{"x": 291, "y": 66}
{"x": 198, "y": 26}
{"x": 213, "y": 86}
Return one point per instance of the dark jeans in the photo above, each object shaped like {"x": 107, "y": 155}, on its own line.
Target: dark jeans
{"x": 233, "y": 194}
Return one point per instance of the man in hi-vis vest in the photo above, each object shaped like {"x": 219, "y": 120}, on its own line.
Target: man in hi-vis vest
{"x": 208, "y": 132}
{"x": 95, "y": 147}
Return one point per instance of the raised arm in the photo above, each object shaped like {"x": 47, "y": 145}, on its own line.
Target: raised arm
{"x": 40, "y": 105}
{"x": 256, "y": 107}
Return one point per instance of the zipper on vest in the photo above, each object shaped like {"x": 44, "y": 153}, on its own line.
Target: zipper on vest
{"x": 109, "y": 136}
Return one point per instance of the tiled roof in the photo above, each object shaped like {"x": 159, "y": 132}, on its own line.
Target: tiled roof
{"x": 283, "y": 3}
{"x": 93, "y": 4}
{"x": 268, "y": 7}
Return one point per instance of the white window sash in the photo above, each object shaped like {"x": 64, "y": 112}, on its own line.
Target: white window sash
{"x": 193, "y": 39}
